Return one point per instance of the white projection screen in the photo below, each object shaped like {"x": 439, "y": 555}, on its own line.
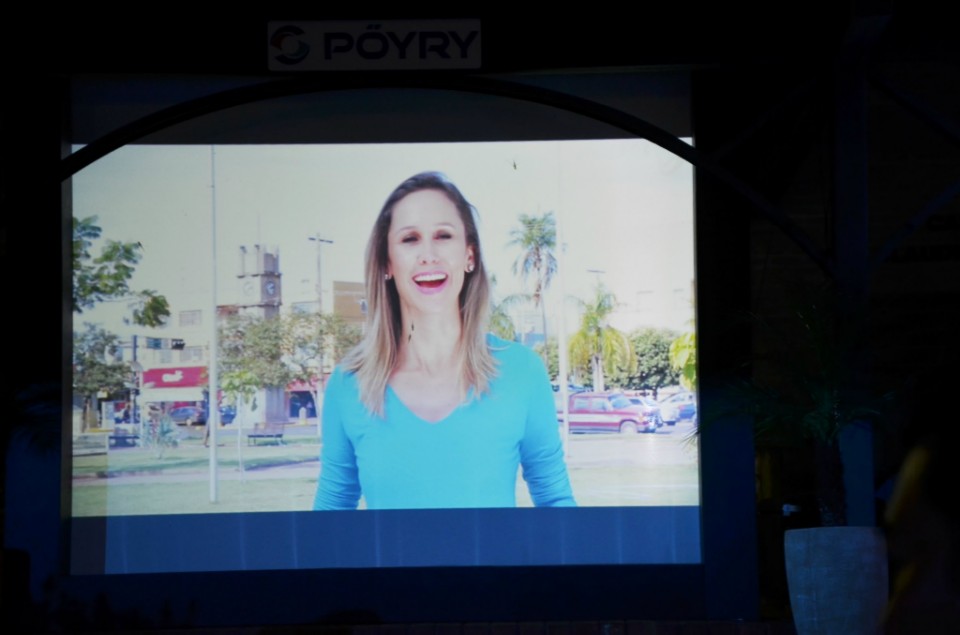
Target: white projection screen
{"x": 260, "y": 212}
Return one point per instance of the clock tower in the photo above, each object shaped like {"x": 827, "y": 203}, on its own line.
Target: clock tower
{"x": 260, "y": 288}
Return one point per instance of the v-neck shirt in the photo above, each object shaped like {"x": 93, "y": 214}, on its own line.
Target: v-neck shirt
{"x": 470, "y": 458}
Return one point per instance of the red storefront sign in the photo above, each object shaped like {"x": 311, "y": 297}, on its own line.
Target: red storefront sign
{"x": 177, "y": 377}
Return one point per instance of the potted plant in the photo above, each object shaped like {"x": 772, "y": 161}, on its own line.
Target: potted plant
{"x": 806, "y": 389}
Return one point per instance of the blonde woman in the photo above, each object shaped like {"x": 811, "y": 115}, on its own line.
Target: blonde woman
{"x": 429, "y": 411}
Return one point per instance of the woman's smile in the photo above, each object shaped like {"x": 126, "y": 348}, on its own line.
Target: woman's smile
{"x": 431, "y": 282}
{"x": 427, "y": 251}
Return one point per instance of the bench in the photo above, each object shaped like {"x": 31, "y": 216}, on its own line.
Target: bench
{"x": 89, "y": 444}
{"x": 124, "y": 440}
{"x": 267, "y": 432}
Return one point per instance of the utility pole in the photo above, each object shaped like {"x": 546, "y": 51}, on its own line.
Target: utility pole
{"x": 317, "y": 402}
{"x": 320, "y": 243}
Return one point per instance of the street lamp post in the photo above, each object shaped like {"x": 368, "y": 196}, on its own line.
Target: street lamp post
{"x": 320, "y": 243}
{"x": 137, "y": 369}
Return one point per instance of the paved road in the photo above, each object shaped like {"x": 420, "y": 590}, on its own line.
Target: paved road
{"x": 670, "y": 445}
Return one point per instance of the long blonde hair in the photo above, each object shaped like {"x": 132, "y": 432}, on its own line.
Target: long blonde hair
{"x": 374, "y": 359}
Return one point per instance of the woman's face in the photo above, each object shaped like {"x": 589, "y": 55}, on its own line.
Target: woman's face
{"x": 427, "y": 252}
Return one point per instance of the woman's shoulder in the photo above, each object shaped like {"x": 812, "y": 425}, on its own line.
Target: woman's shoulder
{"x": 511, "y": 354}
{"x": 342, "y": 378}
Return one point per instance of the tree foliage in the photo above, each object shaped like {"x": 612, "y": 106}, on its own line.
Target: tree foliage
{"x": 255, "y": 345}
{"x": 598, "y": 348}
{"x": 683, "y": 358}
{"x": 311, "y": 341}
{"x": 94, "y": 368}
{"x": 272, "y": 352}
{"x": 240, "y": 387}
{"x": 537, "y": 238}
{"x": 501, "y": 322}
{"x": 550, "y": 351}
{"x": 651, "y": 368}
{"x": 106, "y": 276}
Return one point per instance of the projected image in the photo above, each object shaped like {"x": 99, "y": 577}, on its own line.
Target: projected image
{"x": 521, "y": 335}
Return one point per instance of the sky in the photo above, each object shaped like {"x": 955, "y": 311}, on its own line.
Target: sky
{"x": 624, "y": 209}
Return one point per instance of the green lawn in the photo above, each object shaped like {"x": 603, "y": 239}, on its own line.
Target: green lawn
{"x": 133, "y": 481}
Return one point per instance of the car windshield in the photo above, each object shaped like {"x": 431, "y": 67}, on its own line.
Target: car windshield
{"x": 619, "y": 401}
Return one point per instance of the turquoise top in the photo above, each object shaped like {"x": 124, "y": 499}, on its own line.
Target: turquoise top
{"x": 468, "y": 459}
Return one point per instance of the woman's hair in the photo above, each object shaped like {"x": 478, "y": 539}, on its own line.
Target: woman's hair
{"x": 373, "y": 360}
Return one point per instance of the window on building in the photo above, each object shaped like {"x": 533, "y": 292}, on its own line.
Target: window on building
{"x": 192, "y": 354}
{"x": 190, "y": 318}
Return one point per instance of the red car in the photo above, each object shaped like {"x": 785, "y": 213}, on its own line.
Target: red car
{"x": 593, "y": 412}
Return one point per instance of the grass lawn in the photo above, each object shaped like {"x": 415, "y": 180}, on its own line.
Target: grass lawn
{"x": 133, "y": 481}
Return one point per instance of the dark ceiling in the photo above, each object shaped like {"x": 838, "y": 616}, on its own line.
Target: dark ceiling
{"x": 666, "y": 34}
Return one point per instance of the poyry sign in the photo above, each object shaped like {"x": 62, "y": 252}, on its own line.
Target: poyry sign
{"x": 373, "y": 45}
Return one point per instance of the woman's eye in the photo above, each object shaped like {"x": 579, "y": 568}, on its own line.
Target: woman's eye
{"x": 411, "y": 238}
{"x": 444, "y": 236}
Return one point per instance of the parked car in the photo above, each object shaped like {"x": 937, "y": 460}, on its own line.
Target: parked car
{"x": 594, "y": 412}
{"x": 188, "y": 415}
{"x": 680, "y": 406}
{"x": 650, "y": 403}
{"x": 227, "y": 414}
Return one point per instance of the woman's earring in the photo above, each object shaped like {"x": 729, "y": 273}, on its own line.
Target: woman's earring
{"x": 387, "y": 276}
{"x": 469, "y": 267}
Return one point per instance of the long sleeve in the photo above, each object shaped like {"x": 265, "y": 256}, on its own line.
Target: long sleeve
{"x": 541, "y": 451}
{"x": 339, "y": 484}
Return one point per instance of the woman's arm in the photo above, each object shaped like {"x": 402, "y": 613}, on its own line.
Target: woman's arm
{"x": 339, "y": 484}
{"x": 541, "y": 452}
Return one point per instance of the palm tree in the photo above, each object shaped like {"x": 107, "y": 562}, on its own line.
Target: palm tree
{"x": 501, "y": 321}
{"x": 537, "y": 238}
{"x": 597, "y": 344}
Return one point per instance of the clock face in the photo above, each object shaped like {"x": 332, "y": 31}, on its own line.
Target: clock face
{"x": 271, "y": 288}
{"x": 248, "y": 287}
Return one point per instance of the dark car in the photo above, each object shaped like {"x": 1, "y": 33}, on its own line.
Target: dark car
{"x": 681, "y": 406}
{"x": 188, "y": 415}
{"x": 594, "y": 412}
{"x": 227, "y": 414}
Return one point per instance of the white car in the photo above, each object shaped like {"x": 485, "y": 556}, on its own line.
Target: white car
{"x": 679, "y": 407}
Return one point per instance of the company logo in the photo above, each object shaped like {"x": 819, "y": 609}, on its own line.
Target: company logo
{"x": 170, "y": 378}
{"x": 288, "y": 45}
{"x": 376, "y": 46}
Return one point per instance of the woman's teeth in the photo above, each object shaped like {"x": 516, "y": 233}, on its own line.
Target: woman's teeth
{"x": 430, "y": 279}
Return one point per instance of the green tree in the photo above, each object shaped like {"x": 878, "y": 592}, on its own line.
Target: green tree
{"x": 683, "y": 358}
{"x": 240, "y": 388}
{"x": 310, "y": 341}
{"x": 651, "y": 368}
{"x": 98, "y": 278}
{"x": 550, "y": 351}
{"x": 255, "y": 345}
{"x": 537, "y": 238}
{"x": 95, "y": 369}
{"x": 597, "y": 347}
{"x": 501, "y": 323}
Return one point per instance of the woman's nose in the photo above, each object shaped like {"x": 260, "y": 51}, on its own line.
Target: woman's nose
{"x": 428, "y": 255}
